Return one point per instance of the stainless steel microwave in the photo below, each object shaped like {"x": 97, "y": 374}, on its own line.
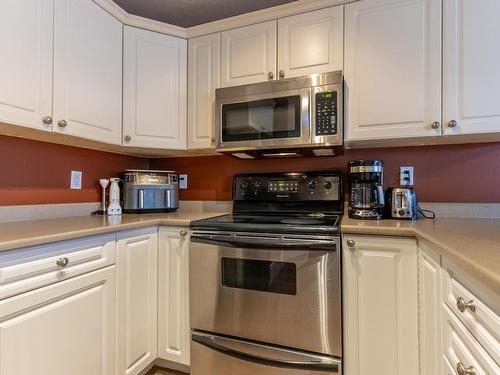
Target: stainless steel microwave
{"x": 289, "y": 117}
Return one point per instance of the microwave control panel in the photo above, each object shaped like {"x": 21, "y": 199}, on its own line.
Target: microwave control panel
{"x": 326, "y": 113}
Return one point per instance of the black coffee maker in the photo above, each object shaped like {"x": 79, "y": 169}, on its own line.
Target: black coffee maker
{"x": 367, "y": 193}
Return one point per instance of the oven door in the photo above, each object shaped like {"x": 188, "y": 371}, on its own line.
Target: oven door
{"x": 277, "y": 289}
{"x": 266, "y": 120}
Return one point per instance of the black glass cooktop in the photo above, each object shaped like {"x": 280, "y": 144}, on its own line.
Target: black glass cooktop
{"x": 313, "y": 223}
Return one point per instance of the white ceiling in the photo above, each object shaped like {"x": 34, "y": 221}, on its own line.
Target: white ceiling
{"x": 187, "y": 13}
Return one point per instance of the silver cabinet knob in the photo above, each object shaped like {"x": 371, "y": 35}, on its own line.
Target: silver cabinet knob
{"x": 452, "y": 124}
{"x": 127, "y": 138}
{"x": 183, "y": 233}
{"x": 350, "y": 243}
{"x": 435, "y": 125}
{"x": 462, "y": 370}
{"x": 463, "y": 306}
{"x": 62, "y": 262}
{"x": 47, "y": 120}
{"x": 62, "y": 123}
{"x": 270, "y": 75}
{"x": 212, "y": 140}
{"x": 282, "y": 74}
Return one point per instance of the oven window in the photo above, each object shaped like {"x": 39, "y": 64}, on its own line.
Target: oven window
{"x": 262, "y": 275}
{"x": 261, "y": 119}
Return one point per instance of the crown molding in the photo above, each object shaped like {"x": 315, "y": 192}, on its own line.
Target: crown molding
{"x": 263, "y": 15}
{"x": 141, "y": 22}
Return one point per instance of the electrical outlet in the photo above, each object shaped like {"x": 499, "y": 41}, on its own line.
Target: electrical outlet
{"x": 76, "y": 180}
{"x": 406, "y": 176}
{"x": 183, "y": 181}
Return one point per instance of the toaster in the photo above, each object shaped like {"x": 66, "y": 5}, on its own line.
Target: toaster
{"x": 402, "y": 203}
{"x": 148, "y": 191}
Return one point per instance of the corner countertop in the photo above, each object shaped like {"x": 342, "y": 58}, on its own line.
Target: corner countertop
{"x": 472, "y": 244}
{"x": 29, "y": 233}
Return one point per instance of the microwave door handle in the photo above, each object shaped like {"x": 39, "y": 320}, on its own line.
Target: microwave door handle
{"x": 265, "y": 354}
{"x": 253, "y": 242}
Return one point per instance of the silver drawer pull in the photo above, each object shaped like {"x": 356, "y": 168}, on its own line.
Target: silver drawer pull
{"x": 183, "y": 233}
{"x": 462, "y": 370}
{"x": 462, "y": 305}
{"x": 62, "y": 262}
{"x": 350, "y": 243}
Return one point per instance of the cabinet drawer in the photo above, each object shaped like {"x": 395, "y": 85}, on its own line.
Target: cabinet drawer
{"x": 29, "y": 268}
{"x": 481, "y": 321}
{"x": 461, "y": 348}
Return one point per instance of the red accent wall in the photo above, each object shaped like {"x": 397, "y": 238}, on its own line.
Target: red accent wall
{"x": 33, "y": 172}
{"x": 450, "y": 173}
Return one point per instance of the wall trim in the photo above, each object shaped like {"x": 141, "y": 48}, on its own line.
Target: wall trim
{"x": 263, "y": 15}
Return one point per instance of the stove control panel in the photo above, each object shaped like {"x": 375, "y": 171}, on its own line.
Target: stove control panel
{"x": 310, "y": 186}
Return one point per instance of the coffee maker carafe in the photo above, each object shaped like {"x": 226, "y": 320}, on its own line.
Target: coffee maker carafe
{"x": 367, "y": 193}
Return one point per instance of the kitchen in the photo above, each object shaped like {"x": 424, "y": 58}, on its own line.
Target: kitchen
{"x": 283, "y": 121}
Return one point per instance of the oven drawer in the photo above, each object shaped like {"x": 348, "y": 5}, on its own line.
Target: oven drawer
{"x": 213, "y": 354}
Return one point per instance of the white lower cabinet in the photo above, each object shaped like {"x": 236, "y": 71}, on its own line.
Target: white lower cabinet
{"x": 173, "y": 295}
{"x": 380, "y": 305}
{"x": 430, "y": 310}
{"x": 136, "y": 259}
{"x": 63, "y": 328}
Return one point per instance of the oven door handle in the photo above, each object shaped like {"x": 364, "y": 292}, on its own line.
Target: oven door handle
{"x": 267, "y": 355}
{"x": 265, "y": 242}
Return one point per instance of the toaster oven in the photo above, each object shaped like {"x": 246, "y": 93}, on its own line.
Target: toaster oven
{"x": 150, "y": 191}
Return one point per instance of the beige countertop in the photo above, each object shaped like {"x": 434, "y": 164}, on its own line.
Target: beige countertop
{"x": 28, "y": 233}
{"x": 472, "y": 244}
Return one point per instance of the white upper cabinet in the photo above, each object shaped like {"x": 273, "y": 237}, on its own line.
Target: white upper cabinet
{"x": 26, "y": 39}
{"x": 154, "y": 92}
{"x": 87, "y": 71}
{"x": 203, "y": 79}
{"x": 471, "y": 66}
{"x": 311, "y": 43}
{"x": 392, "y": 69}
{"x": 248, "y": 54}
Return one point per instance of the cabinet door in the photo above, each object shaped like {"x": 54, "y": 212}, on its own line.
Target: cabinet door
{"x": 380, "y": 306}
{"x": 248, "y": 54}
{"x": 203, "y": 79}
{"x": 392, "y": 69}
{"x": 430, "y": 302}
{"x": 311, "y": 43}
{"x": 136, "y": 300}
{"x": 173, "y": 295}
{"x": 154, "y": 90}
{"x": 87, "y": 71}
{"x": 63, "y": 328}
{"x": 26, "y": 38}
{"x": 471, "y": 66}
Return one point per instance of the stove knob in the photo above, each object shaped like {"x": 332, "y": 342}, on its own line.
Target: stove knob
{"x": 243, "y": 186}
{"x": 257, "y": 185}
{"x": 327, "y": 185}
{"x": 311, "y": 185}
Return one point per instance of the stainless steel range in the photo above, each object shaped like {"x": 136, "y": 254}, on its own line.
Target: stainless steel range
{"x": 265, "y": 281}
